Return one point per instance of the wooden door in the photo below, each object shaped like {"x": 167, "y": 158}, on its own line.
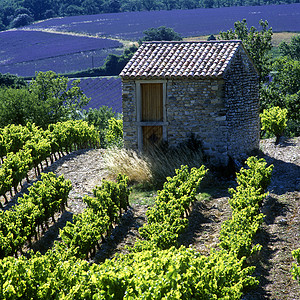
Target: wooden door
{"x": 152, "y": 102}
{"x": 152, "y": 112}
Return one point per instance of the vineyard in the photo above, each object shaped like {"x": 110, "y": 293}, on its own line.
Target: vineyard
{"x": 25, "y": 147}
{"x": 156, "y": 266}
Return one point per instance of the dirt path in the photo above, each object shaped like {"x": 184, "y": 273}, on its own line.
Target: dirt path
{"x": 280, "y": 233}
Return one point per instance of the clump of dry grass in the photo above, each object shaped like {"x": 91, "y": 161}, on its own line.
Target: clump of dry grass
{"x": 128, "y": 162}
{"x": 163, "y": 162}
{"x": 153, "y": 166}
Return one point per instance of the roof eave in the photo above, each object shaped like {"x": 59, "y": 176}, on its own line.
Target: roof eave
{"x": 216, "y": 77}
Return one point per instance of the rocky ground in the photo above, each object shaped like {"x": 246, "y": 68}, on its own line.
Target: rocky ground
{"x": 279, "y": 234}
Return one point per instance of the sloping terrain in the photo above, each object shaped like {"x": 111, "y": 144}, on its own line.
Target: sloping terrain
{"x": 189, "y": 22}
{"x": 279, "y": 235}
{"x": 24, "y": 52}
{"x": 102, "y": 91}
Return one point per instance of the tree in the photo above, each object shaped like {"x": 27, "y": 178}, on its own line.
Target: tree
{"x": 131, "y": 5}
{"x": 292, "y": 49}
{"x": 8, "y": 15}
{"x": 37, "y": 7}
{"x": 9, "y": 80}
{"x": 161, "y": 33}
{"x": 2, "y": 26}
{"x": 99, "y": 118}
{"x": 188, "y": 4}
{"x": 114, "y": 133}
{"x": 149, "y": 4}
{"x": 54, "y": 99}
{"x": 92, "y": 6}
{"x": 21, "y": 20}
{"x": 48, "y": 99}
{"x": 49, "y": 13}
{"x": 15, "y": 105}
{"x": 169, "y": 4}
{"x": 284, "y": 91}
{"x": 211, "y": 38}
{"x": 257, "y": 42}
{"x": 111, "y": 6}
{"x": 286, "y": 75}
{"x": 22, "y": 10}
{"x": 74, "y": 10}
{"x": 208, "y": 3}
{"x": 113, "y": 64}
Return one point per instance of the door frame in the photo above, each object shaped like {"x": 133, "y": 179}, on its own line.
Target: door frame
{"x": 140, "y": 124}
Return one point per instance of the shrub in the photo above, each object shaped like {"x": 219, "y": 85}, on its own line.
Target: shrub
{"x": 21, "y": 20}
{"x": 99, "y": 118}
{"x": 161, "y": 33}
{"x": 114, "y": 133}
{"x": 296, "y": 267}
{"x": 274, "y": 121}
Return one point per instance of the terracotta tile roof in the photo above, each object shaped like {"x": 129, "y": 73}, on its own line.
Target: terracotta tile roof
{"x": 157, "y": 60}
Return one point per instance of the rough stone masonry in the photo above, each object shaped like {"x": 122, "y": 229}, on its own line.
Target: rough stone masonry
{"x": 211, "y": 90}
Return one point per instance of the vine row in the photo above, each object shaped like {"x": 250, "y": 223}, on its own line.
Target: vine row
{"x": 166, "y": 219}
{"x": 104, "y": 209}
{"x": 152, "y": 273}
{"x": 25, "y": 147}
{"x": 22, "y": 222}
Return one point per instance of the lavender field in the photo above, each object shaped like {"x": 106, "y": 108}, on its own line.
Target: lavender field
{"x": 60, "y": 64}
{"x": 195, "y": 22}
{"x": 25, "y": 52}
{"x": 103, "y": 91}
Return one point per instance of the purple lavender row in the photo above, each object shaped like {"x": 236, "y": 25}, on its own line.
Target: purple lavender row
{"x": 20, "y": 46}
{"x": 103, "y": 91}
{"x": 195, "y": 22}
{"x": 60, "y": 64}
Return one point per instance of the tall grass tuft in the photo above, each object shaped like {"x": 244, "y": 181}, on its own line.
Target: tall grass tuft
{"x": 154, "y": 166}
{"x": 128, "y": 162}
{"x": 163, "y": 162}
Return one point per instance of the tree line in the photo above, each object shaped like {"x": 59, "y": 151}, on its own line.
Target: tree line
{"x": 16, "y": 13}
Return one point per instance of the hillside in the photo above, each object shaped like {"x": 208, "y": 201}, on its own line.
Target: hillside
{"x": 102, "y": 91}
{"x": 77, "y": 43}
{"x": 279, "y": 234}
{"x": 189, "y": 22}
{"x": 25, "y": 52}
{"x": 15, "y": 13}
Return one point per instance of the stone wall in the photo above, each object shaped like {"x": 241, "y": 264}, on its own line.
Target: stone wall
{"x": 197, "y": 107}
{"x": 222, "y": 113}
{"x": 242, "y": 94}
{"x": 130, "y": 133}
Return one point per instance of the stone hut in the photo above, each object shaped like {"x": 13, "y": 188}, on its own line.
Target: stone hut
{"x": 172, "y": 90}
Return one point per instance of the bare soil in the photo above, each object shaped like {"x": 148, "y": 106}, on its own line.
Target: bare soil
{"x": 279, "y": 235}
